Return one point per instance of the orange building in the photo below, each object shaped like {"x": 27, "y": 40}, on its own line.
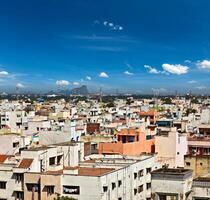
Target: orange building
{"x": 151, "y": 114}
{"x": 130, "y": 141}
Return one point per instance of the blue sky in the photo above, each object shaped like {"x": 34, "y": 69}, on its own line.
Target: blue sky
{"x": 130, "y": 46}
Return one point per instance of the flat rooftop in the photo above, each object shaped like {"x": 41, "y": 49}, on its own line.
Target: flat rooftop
{"x": 171, "y": 171}
{"x": 83, "y": 171}
{"x": 43, "y": 148}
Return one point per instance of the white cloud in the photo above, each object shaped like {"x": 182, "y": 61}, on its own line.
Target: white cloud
{"x": 192, "y": 81}
{"x": 120, "y": 28}
{"x": 128, "y": 73}
{"x": 188, "y": 61}
{"x": 201, "y": 87}
{"x": 3, "y": 73}
{"x": 205, "y": 64}
{"x": 62, "y": 83}
{"x": 103, "y": 75}
{"x": 113, "y": 26}
{"x": 152, "y": 70}
{"x": 88, "y": 78}
{"x": 20, "y": 85}
{"x": 105, "y": 23}
{"x": 175, "y": 69}
{"x": 76, "y": 83}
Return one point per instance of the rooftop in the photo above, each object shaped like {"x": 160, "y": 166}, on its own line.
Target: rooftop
{"x": 25, "y": 163}
{"x": 84, "y": 171}
{"x": 171, "y": 171}
{"x": 3, "y": 158}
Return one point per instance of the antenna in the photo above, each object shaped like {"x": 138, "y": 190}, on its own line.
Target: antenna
{"x": 101, "y": 94}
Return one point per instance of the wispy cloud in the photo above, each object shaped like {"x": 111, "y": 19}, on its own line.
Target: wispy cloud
{"x": 152, "y": 70}
{"x": 100, "y": 38}
{"x": 88, "y": 78}
{"x": 192, "y": 82}
{"x": 188, "y": 61}
{"x": 128, "y": 73}
{"x": 104, "y": 48}
{"x": 112, "y": 26}
{"x": 129, "y": 66}
{"x": 202, "y": 87}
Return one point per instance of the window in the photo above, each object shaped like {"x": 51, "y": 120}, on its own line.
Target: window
{"x": 32, "y": 187}
{"x": 18, "y": 177}
{"x": 148, "y": 186}
{"x": 3, "y": 184}
{"x": 19, "y": 195}
{"x": 140, "y": 188}
{"x": 113, "y": 186}
{"x": 135, "y": 175}
{"x": 15, "y": 144}
{"x": 50, "y": 189}
{"x": 177, "y": 153}
{"x": 119, "y": 183}
{"x": 105, "y": 188}
{"x": 149, "y": 170}
{"x": 120, "y": 198}
{"x": 187, "y": 163}
{"x": 59, "y": 160}
{"x": 141, "y": 173}
{"x": 201, "y": 164}
{"x": 135, "y": 191}
{"x": 52, "y": 161}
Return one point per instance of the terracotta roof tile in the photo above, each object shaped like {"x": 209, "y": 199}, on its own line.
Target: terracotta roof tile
{"x": 3, "y": 158}
{"x": 84, "y": 171}
{"x": 25, "y": 163}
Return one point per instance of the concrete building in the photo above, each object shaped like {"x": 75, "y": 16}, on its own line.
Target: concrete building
{"x": 199, "y": 164}
{"x": 10, "y": 144}
{"x": 101, "y": 178}
{"x": 171, "y": 184}
{"x": 201, "y": 188}
{"x": 171, "y": 147}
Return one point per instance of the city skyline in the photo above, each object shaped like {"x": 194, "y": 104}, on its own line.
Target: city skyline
{"x": 137, "y": 47}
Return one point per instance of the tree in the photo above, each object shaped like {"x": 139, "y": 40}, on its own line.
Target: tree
{"x": 167, "y": 100}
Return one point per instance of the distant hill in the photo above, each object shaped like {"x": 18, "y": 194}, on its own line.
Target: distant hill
{"x": 75, "y": 91}
{"x": 80, "y": 90}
